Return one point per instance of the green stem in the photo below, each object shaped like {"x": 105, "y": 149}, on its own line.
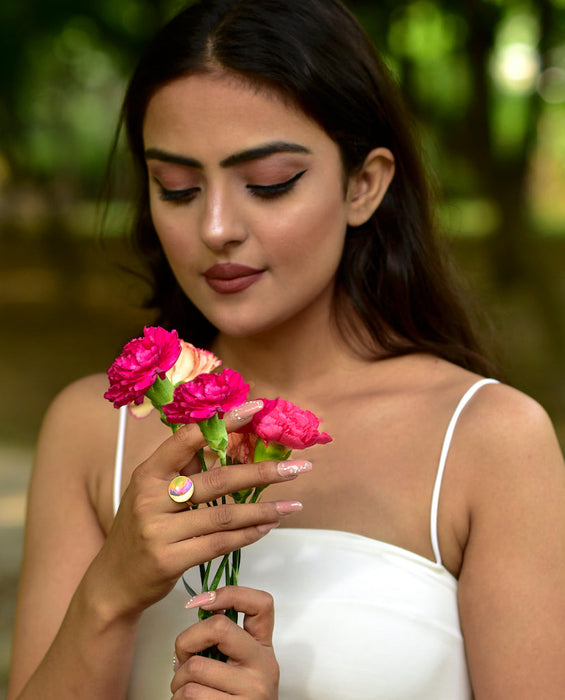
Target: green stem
{"x": 205, "y": 468}
{"x": 202, "y": 460}
{"x": 204, "y": 574}
{"x": 219, "y": 572}
{"x": 236, "y": 561}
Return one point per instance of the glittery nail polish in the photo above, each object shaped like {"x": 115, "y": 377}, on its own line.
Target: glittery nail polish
{"x": 201, "y": 599}
{"x": 287, "y": 507}
{"x": 293, "y": 467}
{"x": 245, "y": 411}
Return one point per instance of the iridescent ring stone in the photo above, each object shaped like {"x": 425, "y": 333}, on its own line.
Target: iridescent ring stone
{"x": 181, "y": 489}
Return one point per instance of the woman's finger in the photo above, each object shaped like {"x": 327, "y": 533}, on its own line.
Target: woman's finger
{"x": 196, "y": 690}
{"x": 210, "y": 675}
{"x": 209, "y": 547}
{"x": 223, "y": 518}
{"x": 236, "y": 643}
{"x": 215, "y": 483}
{"x": 251, "y": 670}
{"x": 257, "y": 607}
{"x": 177, "y": 452}
{"x": 241, "y": 415}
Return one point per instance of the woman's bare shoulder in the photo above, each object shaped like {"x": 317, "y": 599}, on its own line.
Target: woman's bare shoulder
{"x": 501, "y": 432}
{"x": 90, "y": 388}
{"x": 504, "y": 420}
{"x": 80, "y": 418}
{"x": 510, "y": 452}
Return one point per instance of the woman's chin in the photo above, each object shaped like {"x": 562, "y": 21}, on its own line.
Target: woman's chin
{"x": 244, "y": 327}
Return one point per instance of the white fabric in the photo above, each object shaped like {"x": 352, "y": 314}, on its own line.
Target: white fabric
{"x": 355, "y": 618}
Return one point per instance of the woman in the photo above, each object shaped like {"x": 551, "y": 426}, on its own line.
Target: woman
{"x": 286, "y": 221}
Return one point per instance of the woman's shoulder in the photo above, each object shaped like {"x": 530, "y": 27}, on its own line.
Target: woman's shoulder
{"x": 79, "y": 421}
{"x": 81, "y": 402}
{"x": 498, "y": 420}
{"x": 90, "y": 388}
{"x": 502, "y": 419}
{"x": 507, "y": 444}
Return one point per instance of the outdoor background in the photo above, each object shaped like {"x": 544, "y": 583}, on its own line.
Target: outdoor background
{"x": 486, "y": 82}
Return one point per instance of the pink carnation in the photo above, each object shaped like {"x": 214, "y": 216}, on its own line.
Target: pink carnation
{"x": 141, "y": 361}
{"x": 205, "y": 396}
{"x": 283, "y": 422}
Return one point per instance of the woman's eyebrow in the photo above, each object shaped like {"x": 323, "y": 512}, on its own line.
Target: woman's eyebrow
{"x": 262, "y": 151}
{"x": 240, "y": 157}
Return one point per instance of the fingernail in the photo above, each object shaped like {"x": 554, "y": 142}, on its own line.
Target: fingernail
{"x": 286, "y": 507}
{"x": 293, "y": 467}
{"x": 267, "y": 527}
{"x": 245, "y": 411}
{"x": 200, "y": 600}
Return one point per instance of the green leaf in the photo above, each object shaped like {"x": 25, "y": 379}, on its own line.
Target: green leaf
{"x": 241, "y": 496}
{"x": 216, "y": 580}
{"x": 256, "y": 493}
{"x": 190, "y": 590}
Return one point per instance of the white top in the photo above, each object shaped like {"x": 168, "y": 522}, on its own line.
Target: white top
{"x": 355, "y": 618}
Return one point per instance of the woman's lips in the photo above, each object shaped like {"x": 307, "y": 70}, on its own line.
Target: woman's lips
{"x": 228, "y": 278}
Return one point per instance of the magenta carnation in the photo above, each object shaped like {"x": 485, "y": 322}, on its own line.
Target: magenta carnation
{"x": 283, "y": 422}
{"x": 205, "y": 396}
{"x": 141, "y": 361}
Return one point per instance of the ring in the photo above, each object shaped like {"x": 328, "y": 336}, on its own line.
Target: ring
{"x": 181, "y": 489}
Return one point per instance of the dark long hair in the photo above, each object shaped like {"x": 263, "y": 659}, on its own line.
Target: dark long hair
{"x": 313, "y": 53}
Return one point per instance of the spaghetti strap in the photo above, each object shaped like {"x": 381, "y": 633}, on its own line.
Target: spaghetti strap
{"x": 119, "y": 463}
{"x": 467, "y": 396}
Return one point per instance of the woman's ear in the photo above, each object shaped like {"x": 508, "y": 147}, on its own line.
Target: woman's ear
{"x": 368, "y": 186}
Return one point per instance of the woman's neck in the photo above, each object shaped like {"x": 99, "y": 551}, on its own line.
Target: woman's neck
{"x": 290, "y": 359}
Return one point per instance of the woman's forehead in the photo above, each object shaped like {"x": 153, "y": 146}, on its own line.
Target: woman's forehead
{"x": 224, "y": 107}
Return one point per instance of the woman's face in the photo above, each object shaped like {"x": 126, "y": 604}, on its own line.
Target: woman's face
{"x": 247, "y": 197}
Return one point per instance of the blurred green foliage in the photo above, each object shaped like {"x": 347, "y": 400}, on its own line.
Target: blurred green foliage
{"x": 64, "y": 75}
{"x": 485, "y": 80}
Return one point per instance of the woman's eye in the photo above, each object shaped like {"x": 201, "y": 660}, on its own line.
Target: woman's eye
{"x": 278, "y": 188}
{"x": 179, "y": 196}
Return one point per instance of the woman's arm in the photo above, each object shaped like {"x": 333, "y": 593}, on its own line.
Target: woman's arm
{"x": 62, "y": 533}
{"x": 81, "y": 594}
{"x": 512, "y": 583}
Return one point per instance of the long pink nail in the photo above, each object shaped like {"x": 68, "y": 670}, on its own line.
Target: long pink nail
{"x": 287, "y": 507}
{"x": 245, "y": 411}
{"x": 293, "y": 467}
{"x": 201, "y": 600}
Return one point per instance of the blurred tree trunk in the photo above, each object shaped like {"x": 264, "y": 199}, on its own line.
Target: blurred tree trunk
{"x": 516, "y": 254}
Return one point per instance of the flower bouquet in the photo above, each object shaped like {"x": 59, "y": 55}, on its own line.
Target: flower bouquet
{"x": 162, "y": 372}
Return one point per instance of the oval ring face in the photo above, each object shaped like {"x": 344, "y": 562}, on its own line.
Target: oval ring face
{"x": 181, "y": 489}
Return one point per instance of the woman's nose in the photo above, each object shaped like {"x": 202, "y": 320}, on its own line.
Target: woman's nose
{"x": 222, "y": 223}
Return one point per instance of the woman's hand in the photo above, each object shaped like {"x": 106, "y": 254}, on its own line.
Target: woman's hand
{"x": 154, "y": 540}
{"x": 251, "y": 670}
